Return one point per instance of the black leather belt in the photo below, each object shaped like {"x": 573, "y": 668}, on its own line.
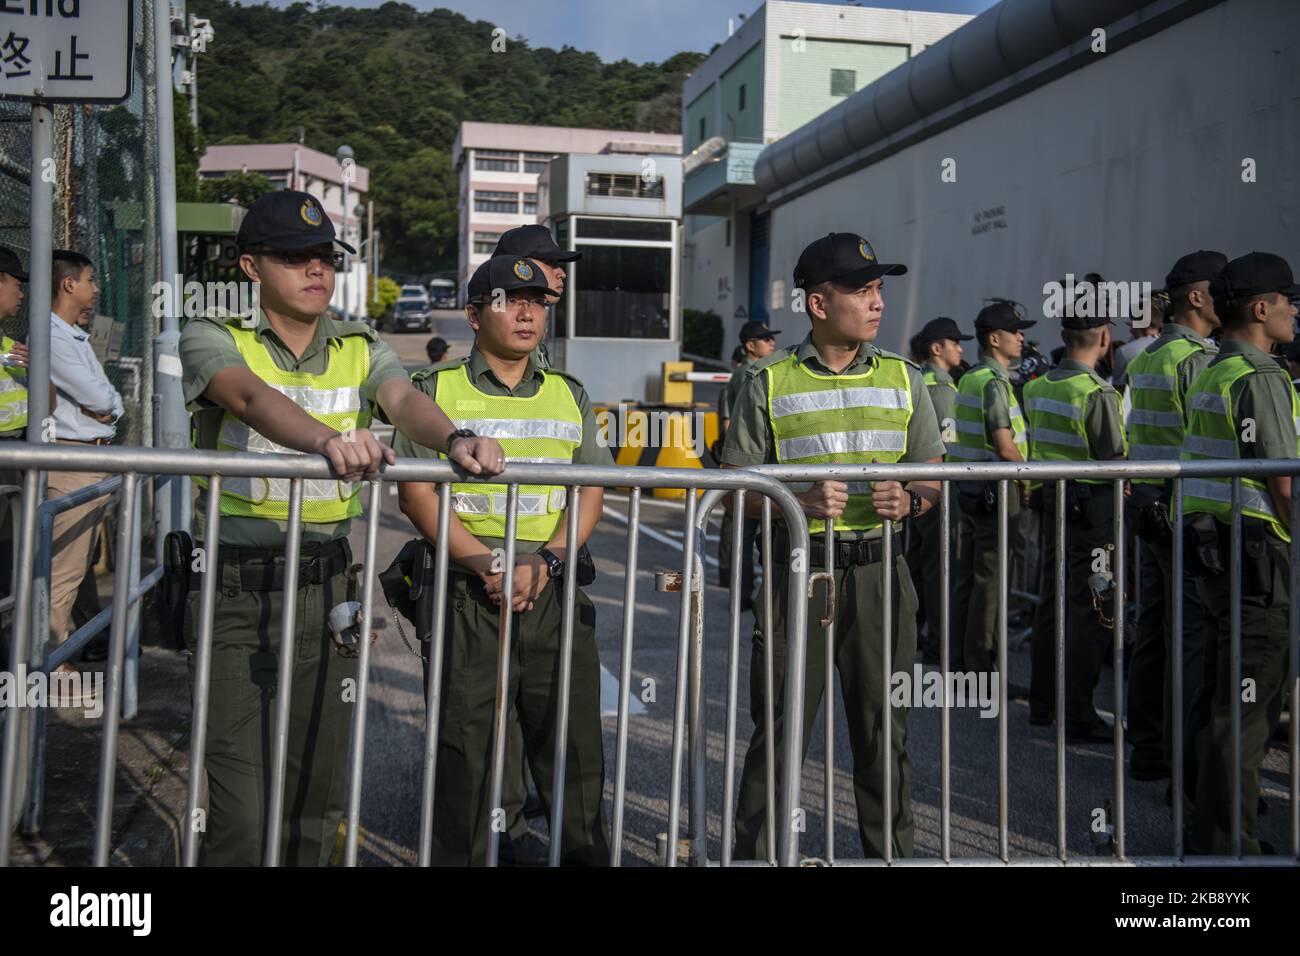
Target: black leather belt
{"x": 848, "y": 552}
{"x": 262, "y": 569}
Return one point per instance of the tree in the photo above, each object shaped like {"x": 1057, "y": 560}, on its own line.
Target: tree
{"x": 386, "y": 292}
{"x": 241, "y": 188}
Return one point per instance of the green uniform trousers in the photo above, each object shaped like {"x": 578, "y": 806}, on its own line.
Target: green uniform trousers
{"x": 1149, "y": 707}
{"x": 462, "y": 811}
{"x": 859, "y": 659}
{"x": 241, "y": 722}
{"x": 1265, "y": 661}
{"x": 976, "y": 594}
{"x": 924, "y": 559}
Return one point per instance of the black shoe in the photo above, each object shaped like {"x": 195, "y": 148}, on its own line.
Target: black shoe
{"x": 1039, "y": 719}
{"x": 1017, "y": 692}
{"x": 1144, "y": 767}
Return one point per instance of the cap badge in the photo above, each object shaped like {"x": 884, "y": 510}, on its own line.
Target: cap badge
{"x": 310, "y": 213}
{"x": 523, "y": 270}
{"x": 864, "y": 251}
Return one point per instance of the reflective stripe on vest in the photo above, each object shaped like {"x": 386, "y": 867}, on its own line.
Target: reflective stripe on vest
{"x": 332, "y": 398}
{"x": 1212, "y": 435}
{"x": 543, "y": 428}
{"x": 844, "y": 419}
{"x": 1056, "y": 408}
{"x": 13, "y": 392}
{"x": 972, "y": 438}
{"x": 1155, "y": 424}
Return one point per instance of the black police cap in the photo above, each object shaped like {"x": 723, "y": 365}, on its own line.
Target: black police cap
{"x": 1256, "y": 273}
{"x": 10, "y": 263}
{"x": 936, "y": 330}
{"x": 1002, "y": 315}
{"x": 754, "y": 329}
{"x": 287, "y": 219}
{"x": 1195, "y": 267}
{"x": 533, "y": 242}
{"x": 842, "y": 257}
{"x": 508, "y": 273}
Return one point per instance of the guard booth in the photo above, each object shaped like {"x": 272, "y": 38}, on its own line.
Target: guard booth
{"x": 618, "y": 327}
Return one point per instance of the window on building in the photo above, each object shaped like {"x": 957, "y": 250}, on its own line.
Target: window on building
{"x": 530, "y": 204}
{"x": 622, "y": 292}
{"x": 742, "y": 96}
{"x": 536, "y": 162}
{"x": 843, "y": 82}
{"x": 625, "y": 186}
{"x": 496, "y": 160}
{"x": 485, "y": 242}
{"x": 486, "y": 200}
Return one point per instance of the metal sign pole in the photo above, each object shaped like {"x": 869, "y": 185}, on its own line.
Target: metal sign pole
{"x": 38, "y": 286}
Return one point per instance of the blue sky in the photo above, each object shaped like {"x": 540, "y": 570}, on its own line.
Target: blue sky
{"x": 620, "y": 30}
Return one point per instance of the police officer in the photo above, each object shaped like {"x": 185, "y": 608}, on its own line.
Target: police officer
{"x": 990, "y": 427}
{"x": 836, "y": 398}
{"x": 758, "y": 342}
{"x": 1074, "y": 415}
{"x": 1242, "y": 406}
{"x": 940, "y": 345}
{"x": 539, "y": 413}
{"x": 287, "y": 378}
{"x": 13, "y": 396}
{"x": 1158, "y": 380}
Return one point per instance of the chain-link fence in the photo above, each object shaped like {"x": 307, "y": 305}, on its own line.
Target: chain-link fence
{"x": 105, "y": 206}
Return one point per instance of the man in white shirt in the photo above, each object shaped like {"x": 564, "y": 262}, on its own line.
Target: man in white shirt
{"x": 88, "y": 406}
{"x": 1144, "y": 336}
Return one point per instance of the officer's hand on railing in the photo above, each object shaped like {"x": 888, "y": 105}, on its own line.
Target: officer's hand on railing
{"x": 478, "y": 455}
{"x": 21, "y": 354}
{"x": 891, "y": 500}
{"x": 825, "y": 499}
{"x": 355, "y": 454}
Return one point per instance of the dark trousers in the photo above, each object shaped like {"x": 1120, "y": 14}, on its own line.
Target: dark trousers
{"x": 1265, "y": 662}
{"x": 1087, "y": 640}
{"x": 748, "y": 541}
{"x": 1149, "y": 708}
{"x": 241, "y": 722}
{"x": 462, "y": 812}
{"x": 976, "y": 595}
{"x": 924, "y": 559}
{"x": 860, "y": 661}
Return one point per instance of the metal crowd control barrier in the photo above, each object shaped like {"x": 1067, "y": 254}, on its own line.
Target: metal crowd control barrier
{"x": 133, "y": 462}
{"x": 1004, "y": 473}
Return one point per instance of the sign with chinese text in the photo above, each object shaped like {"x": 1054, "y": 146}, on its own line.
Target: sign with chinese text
{"x": 66, "y": 50}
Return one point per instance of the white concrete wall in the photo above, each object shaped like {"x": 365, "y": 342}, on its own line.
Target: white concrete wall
{"x": 1119, "y": 167}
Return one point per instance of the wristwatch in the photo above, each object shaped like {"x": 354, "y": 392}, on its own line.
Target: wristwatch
{"x": 458, "y": 433}
{"x": 554, "y": 566}
{"x": 915, "y": 510}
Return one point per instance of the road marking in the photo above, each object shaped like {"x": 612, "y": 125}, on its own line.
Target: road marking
{"x": 654, "y": 535}
{"x": 609, "y": 697}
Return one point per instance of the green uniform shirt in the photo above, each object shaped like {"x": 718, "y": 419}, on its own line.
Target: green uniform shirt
{"x": 1102, "y": 419}
{"x": 1195, "y": 363}
{"x": 730, "y": 391}
{"x": 207, "y": 347}
{"x": 590, "y": 452}
{"x": 996, "y": 400}
{"x": 943, "y": 395}
{"x": 749, "y": 438}
{"x": 1264, "y": 397}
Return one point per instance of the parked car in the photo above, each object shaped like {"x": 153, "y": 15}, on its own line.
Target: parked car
{"x": 408, "y": 315}
{"x": 413, "y": 293}
{"x": 442, "y": 294}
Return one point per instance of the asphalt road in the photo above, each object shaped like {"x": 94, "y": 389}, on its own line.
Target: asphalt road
{"x": 395, "y": 727}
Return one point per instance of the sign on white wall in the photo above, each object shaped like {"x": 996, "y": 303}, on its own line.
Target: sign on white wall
{"x": 55, "y": 50}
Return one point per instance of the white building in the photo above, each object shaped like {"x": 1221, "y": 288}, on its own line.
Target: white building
{"x": 784, "y": 66}
{"x": 1017, "y": 151}
{"x": 498, "y": 165}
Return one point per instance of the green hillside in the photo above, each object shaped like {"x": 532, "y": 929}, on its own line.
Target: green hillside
{"x": 395, "y": 83}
